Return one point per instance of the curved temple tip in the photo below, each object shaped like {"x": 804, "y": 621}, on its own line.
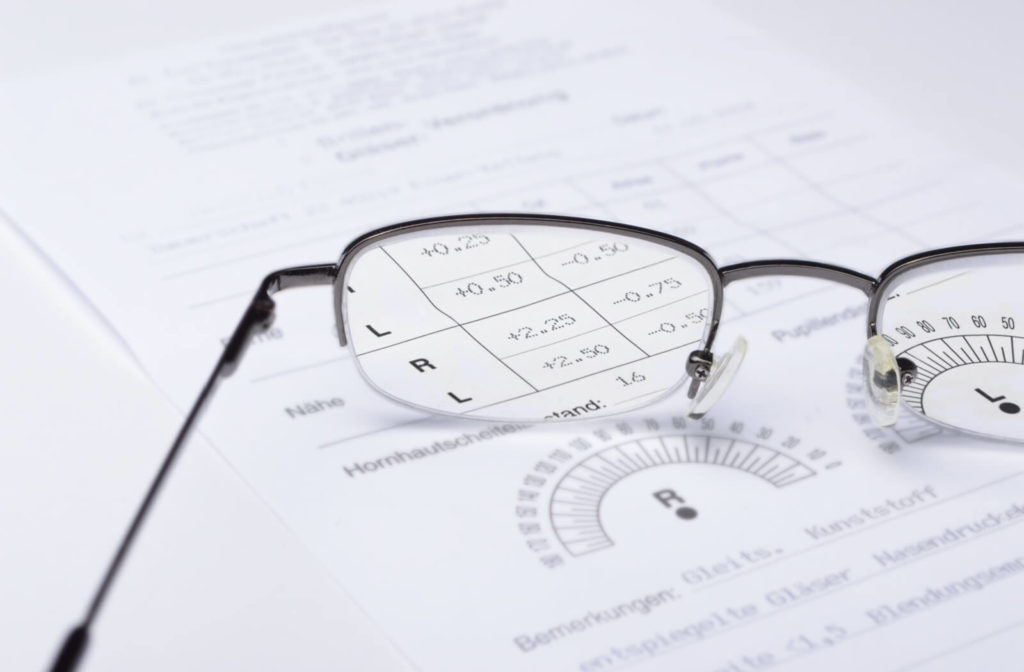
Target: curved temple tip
{"x": 71, "y": 651}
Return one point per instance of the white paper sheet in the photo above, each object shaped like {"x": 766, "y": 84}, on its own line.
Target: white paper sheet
{"x": 781, "y": 530}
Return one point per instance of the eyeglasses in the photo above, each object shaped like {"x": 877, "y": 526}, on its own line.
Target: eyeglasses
{"x": 537, "y": 318}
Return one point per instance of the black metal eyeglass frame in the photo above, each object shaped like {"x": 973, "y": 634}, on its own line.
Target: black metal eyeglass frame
{"x": 259, "y": 316}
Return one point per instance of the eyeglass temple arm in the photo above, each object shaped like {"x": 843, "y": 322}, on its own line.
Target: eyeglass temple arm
{"x": 257, "y": 318}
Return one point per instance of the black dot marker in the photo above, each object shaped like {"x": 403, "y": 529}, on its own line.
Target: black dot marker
{"x": 686, "y": 513}
{"x": 1007, "y": 407}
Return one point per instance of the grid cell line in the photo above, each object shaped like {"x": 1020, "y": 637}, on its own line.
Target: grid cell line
{"x": 594, "y": 203}
{"x": 454, "y": 206}
{"x": 457, "y": 322}
{"x": 574, "y": 380}
{"x": 855, "y": 210}
{"x": 584, "y": 301}
{"x": 728, "y": 213}
{"x": 685, "y": 152}
{"x": 471, "y": 275}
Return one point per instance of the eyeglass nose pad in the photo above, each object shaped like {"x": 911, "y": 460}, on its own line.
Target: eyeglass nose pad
{"x": 720, "y": 374}
{"x": 882, "y": 379}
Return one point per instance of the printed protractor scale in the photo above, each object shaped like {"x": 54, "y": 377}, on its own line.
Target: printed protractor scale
{"x": 576, "y": 499}
{"x": 970, "y": 382}
{"x": 941, "y": 355}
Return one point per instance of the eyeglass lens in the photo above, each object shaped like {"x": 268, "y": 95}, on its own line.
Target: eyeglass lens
{"x": 525, "y": 322}
{"x": 956, "y": 322}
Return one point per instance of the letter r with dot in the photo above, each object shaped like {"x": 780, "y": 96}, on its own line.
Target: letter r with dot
{"x": 669, "y": 497}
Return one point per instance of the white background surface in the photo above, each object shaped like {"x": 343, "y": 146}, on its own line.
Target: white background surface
{"x": 216, "y": 581}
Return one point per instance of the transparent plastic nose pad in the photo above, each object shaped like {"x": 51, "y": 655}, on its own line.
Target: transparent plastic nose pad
{"x": 881, "y": 382}
{"x": 723, "y": 369}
